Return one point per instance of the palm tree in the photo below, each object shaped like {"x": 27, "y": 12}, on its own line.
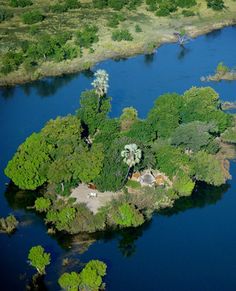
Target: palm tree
{"x": 100, "y": 84}
{"x": 131, "y": 156}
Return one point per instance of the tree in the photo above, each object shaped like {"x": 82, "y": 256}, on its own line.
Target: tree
{"x": 42, "y": 204}
{"x": 70, "y": 281}
{"x": 216, "y": 4}
{"x": 209, "y": 169}
{"x": 128, "y": 117}
{"x": 93, "y": 110}
{"x": 28, "y": 167}
{"x": 165, "y": 117}
{"x": 90, "y": 278}
{"x": 127, "y": 216}
{"x": 91, "y": 275}
{"x": 131, "y": 155}
{"x": 193, "y": 136}
{"x": 39, "y": 259}
{"x": 100, "y": 84}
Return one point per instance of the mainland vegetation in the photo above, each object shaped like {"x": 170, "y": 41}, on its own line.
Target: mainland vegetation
{"x": 41, "y": 38}
{"x": 180, "y": 142}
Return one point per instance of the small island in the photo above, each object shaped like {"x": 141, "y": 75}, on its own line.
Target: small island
{"x": 222, "y": 73}
{"x": 93, "y": 172}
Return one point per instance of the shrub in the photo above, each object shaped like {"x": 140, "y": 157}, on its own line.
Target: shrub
{"x": 11, "y": 62}
{"x": 138, "y": 28}
{"x": 100, "y": 3}
{"x": 42, "y": 204}
{"x": 123, "y": 34}
{"x": 222, "y": 68}
{"x": 117, "y": 4}
{"x": 186, "y": 3}
{"x": 8, "y": 224}
{"x": 20, "y": 3}
{"x": 216, "y": 4}
{"x": 87, "y": 36}
{"x": 32, "y": 17}
{"x": 5, "y": 15}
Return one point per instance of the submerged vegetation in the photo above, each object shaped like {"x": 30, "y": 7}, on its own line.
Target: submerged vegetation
{"x": 46, "y": 38}
{"x": 153, "y": 161}
{"x": 8, "y": 224}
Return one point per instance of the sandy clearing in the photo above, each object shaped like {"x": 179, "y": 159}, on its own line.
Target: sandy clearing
{"x": 81, "y": 193}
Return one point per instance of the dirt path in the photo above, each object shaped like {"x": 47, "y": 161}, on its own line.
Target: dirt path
{"x": 81, "y": 193}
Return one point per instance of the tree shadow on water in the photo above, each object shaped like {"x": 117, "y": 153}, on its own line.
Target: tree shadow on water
{"x": 203, "y": 196}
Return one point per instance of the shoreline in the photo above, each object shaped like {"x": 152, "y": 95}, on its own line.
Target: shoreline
{"x": 120, "y": 50}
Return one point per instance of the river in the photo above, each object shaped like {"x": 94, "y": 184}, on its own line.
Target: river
{"x": 191, "y": 247}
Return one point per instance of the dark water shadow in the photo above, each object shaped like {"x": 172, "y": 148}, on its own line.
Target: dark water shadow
{"x": 149, "y": 58}
{"x": 183, "y": 51}
{"x": 213, "y": 34}
{"x": 203, "y": 196}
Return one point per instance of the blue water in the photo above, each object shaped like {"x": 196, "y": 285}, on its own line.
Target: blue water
{"x": 190, "y": 249}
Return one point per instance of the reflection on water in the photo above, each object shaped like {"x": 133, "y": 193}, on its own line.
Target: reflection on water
{"x": 149, "y": 58}
{"x": 213, "y": 34}
{"x": 183, "y": 52}
{"x": 204, "y": 195}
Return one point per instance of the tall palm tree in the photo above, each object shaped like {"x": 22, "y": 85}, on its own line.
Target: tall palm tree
{"x": 100, "y": 84}
{"x": 131, "y": 156}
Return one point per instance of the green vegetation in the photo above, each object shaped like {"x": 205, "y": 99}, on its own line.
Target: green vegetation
{"x": 180, "y": 139}
{"x": 90, "y": 278}
{"x": 39, "y": 259}
{"x": 36, "y": 28}
{"x": 122, "y": 34}
{"x": 32, "y": 17}
{"x": 216, "y": 4}
{"x": 8, "y": 224}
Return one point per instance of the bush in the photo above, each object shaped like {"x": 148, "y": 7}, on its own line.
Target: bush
{"x": 32, "y": 17}
{"x": 5, "y": 15}
{"x": 216, "y": 4}
{"x": 186, "y": 3}
{"x": 122, "y": 34}
{"x": 117, "y": 4}
{"x": 87, "y": 36}
{"x": 20, "y": 3}
{"x": 42, "y": 204}
{"x": 138, "y": 28}
{"x": 222, "y": 68}
{"x": 8, "y": 224}
{"x": 100, "y": 3}
{"x": 11, "y": 62}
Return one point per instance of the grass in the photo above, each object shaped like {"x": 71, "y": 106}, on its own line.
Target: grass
{"x": 155, "y": 30}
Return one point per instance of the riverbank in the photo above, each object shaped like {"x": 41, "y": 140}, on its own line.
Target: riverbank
{"x": 227, "y": 76}
{"x": 155, "y": 32}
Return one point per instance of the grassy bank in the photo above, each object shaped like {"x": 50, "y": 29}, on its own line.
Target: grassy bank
{"x": 154, "y": 32}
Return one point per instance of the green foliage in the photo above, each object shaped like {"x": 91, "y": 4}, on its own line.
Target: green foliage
{"x": 108, "y": 131}
{"x": 183, "y": 185}
{"x": 87, "y": 164}
{"x": 138, "y": 28}
{"x": 126, "y": 216}
{"x": 222, "y": 68}
{"x": 27, "y": 168}
{"x": 208, "y": 169}
{"x": 165, "y": 116}
{"x": 133, "y": 184}
{"x": 5, "y": 15}
{"x": 61, "y": 218}
{"x": 114, "y": 169}
{"x": 8, "y": 224}
{"x": 117, "y": 4}
{"x": 186, "y": 3}
{"x": 87, "y": 36}
{"x": 64, "y": 7}
{"x": 193, "y": 136}
{"x": 216, "y": 4}
{"x": 39, "y": 259}
{"x": 93, "y": 110}
{"x": 229, "y": 136}
{"x": 122, "y": 34}
{"x": 115, "y": 19}
{"x": 91, "y": 275}
{"x": 11, "y": 62}
{"x": 172, "y": 161}
{"x": 128, "y": 117}
{"x": 42, "y": 204}
{"x": 70, "y": 281}
{"x": 100, "y": 3}
{"x": 20, "y": 3}
{"x": 141, "y": 131}
{"x": 32, "y": 17}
